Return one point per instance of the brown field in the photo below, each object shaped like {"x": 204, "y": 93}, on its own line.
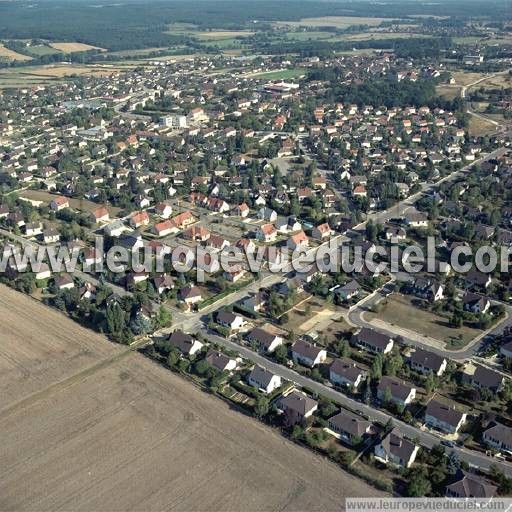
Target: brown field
{"x": 400, "y": 311}
{"x": 74, "y": 47}
{"x": 12, "y": 55}
{"x": 479, "y": 126}
{"x": 448, "y": 92}
{"x": 224, "y": 34}
{"x": 87, "y": 425}
{"x": 334, "y": 21}
{"x": 54, "y": 74}
{"x": 77, "y": 204}
{"x": 466, "y": 78}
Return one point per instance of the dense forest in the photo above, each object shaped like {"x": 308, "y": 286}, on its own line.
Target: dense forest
{"x": 137, "y": 24}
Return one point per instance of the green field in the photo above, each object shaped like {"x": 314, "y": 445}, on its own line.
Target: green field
{"x": 282, "y": 74}
{"x": 40, "y": 50}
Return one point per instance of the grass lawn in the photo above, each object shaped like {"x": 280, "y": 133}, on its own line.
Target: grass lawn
{"x": 284, "y": 74}
{"x": 399, "y": 310}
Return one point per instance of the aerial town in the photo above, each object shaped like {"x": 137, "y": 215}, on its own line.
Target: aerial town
{"x": 226, "y": 168}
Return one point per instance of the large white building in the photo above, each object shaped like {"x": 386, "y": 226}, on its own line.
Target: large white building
{"x": 175, "y": 122}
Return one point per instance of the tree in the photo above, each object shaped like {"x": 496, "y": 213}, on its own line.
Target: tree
{"x": 281, "y": 354}
{"x": 419, "y": 484}
{"x": 173, "y": 357}
{"x": 164, "y": 317}
{"x": 261, "y": 407}
{"x": 453, "y": 464}
{"x": 388, "y": 397}
{"x": 116, "y": 318}
{"x": 430, "y": 382}
{"x": 376, "y": 370}
{"x": 392, "y": 364}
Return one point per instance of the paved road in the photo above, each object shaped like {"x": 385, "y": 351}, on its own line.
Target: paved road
{"x": 426, "y": 439}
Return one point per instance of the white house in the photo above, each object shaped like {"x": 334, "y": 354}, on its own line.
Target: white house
{"x": 261, "y": 378}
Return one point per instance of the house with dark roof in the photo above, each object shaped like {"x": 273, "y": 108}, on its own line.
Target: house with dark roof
{"x": 185, "y": 343}
{"x": 307, "y": 354}
{"x": 348, "y": 427}
{"x": 263, "y": 379}
{"x": 498, "y": 436}
{"x": 424, "y": 362}
{"x": 372, "y": 341}
{"x": 444, "y": 417}
{"x": 344, "y": 372}
{"x": 401, "y": 393}
{"x": 475, "y": 303}
{"x": 296, "y": 407}
{"x": 220, "y": 361}
{"x": 348, "y": 290}
{"x": 265, "y": 340}
{"x": 486, "y": 378}
{"x": 506, "y": 348}
{"x": 230, "y": 320}
{"x": 467, "y": 485}
{"x": 396, "y": 449}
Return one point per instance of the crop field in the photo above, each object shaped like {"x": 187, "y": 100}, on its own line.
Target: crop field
{"x": 74, "y": 47}
{"x": 6, "y": 53}
{"x": 42, "y": 49}
{"x": 281, "y": 74}
{"x": 334, "y": 21}
{"x": 52, "y": 74}
{"x": 87, "y": 425}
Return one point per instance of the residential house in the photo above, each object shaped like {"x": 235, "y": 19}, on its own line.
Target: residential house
{"x": 100, "y": 214}
{"x": 220, "y": 361}
{"x": 444, "y": 417}
{"x": 485, "y": 378}
{"x": 475, "y": 303}
{"x": 349, "y": 427}
{"x": 428, "y": 289}
{"x": 139, "y": 219}
{"x": 467, "y": 485}
{"x": 372, "y": 341}
{"x": 163, "y": 283}
{"x": 298, "y": 241}
{"x": 163, "y": 210}
{"x": 263, "y": 379}
{"x": 185, "y": 343}
{"x": 59, "y": 203}
{"x": 400, "y": 393}
{"x": 266, "y": 233}
{"x": 424, "y": 362}
{"x": 190, "y": 295}
{"x": 396, "y": 449}
{"x": 348, "y": 290}
{"x": 265, "y": 340}
{"x": 344, "y": 372}
{"x": 499, "y": 437}
{"x": 307, "y": 354}
{"x": 321, "y": 232}
{"x": 230, "y": 320}
{"x": 297, "y": 407}
{"x": 64, "y": 282}
{"x": 254, "y": 303}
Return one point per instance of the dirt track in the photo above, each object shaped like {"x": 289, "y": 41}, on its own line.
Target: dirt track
{"x": 86, "y": 426}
